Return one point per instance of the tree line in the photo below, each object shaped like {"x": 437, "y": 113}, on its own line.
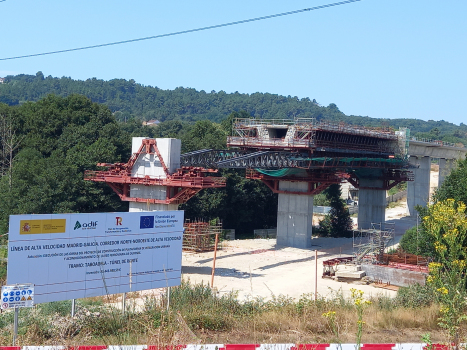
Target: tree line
{"x": 127, "y": 99}
{"x": 46, "y": 146}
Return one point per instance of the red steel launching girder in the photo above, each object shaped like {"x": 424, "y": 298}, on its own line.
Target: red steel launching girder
{"x": 319, "y": 181}
{"x": 181, "y": 185}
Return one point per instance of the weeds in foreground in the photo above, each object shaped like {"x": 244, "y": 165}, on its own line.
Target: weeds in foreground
{"x": 446, "y": 222}
{"x": 199, "y": 315}
{"x": 359, "y": 304}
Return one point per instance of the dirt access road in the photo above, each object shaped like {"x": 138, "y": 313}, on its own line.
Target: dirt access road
{"x": 260, "y": 268}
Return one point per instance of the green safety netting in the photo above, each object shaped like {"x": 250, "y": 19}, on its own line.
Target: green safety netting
{"x": 281, "y": 172}
{"x": 323, "y": 160}
{"x": 350, "y": 160}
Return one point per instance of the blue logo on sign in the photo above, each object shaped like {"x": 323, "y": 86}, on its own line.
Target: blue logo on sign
{"x": 29, "y": 291}
{"x": 12, "y": 299}
{"x": 5, "y": 300}
{"x": 17, "y": 299}
{"x": 23, "y": 292}
{"x": 12, "y": 294}
{"x": 146, "y": 222}
{"x": 5, "y": 294}
{"x": 18, "y": 292}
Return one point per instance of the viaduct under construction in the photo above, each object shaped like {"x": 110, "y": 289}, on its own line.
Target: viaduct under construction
{"x": 295, "y": 158}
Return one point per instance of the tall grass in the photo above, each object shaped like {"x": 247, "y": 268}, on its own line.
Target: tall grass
{"x": 199, "y": 315}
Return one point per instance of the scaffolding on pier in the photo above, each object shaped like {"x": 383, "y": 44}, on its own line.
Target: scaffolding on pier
{"x": 370, "y": 244}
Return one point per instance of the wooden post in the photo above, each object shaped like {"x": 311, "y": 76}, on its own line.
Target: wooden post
{"x": 214, "y": 260}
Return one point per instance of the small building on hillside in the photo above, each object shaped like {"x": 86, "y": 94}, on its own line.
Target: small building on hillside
{"x": 152, "y": 122}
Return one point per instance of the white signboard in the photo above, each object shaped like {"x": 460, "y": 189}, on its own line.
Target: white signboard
{"x": 72, "y": 256}
{"x": 20, "y": 295}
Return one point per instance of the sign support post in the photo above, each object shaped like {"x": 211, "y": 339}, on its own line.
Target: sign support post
{"x": 316, "y": 274}
{"x": 168, "y": 299}
{"x": 15, "y": 326}
{"x": 14, "y": 297}
{"x": 73, "y": 306}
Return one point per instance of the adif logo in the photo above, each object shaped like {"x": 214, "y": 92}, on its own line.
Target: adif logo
{"x": 119, "y": 220}
{"x": 86, "y": 226}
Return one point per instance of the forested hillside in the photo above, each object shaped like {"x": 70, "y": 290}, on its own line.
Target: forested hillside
{"x": 127, "y": 100}
{"x": 46, "y": 146}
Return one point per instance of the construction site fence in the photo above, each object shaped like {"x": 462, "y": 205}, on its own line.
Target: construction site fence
{"x": 319, "y": 209}
{"x": 353, "y": 209}
{"x": 228, "y": 234}
{"x": 265, "y": 233}
{"x": 396, "y": 197}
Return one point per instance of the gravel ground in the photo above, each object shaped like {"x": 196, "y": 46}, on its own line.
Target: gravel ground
{"x": 260, "y": 268}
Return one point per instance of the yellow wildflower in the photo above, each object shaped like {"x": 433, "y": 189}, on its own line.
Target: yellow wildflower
{"x": 433, "y": 266}
{"x": 443, "y": 290}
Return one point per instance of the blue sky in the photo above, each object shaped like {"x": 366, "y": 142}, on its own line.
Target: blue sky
{"x": 377, "y": 58}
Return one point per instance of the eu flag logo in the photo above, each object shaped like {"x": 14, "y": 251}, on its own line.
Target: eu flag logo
{"x": 146, "y": 222}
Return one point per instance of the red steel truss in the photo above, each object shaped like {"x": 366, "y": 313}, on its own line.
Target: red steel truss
{"x": 318, "y": 181}
{"x": 181, "y": 185}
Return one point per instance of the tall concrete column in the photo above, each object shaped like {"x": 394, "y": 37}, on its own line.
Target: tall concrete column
{"x": 418, "y": 191}
{"x": 294, "y": 216}
{"x": 149, "y": 165}
{"x": 445, "y": 167}
{"x": 371, "y": 203}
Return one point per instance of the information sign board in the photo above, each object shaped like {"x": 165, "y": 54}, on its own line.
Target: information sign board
{"x": 72, "y": 256}
{"x": 19, "y": 295}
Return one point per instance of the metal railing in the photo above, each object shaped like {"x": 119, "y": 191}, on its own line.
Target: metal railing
{"x": 437, "y": 142}
{"x": 273, "y": 122}
{"x": 276, "y": 143}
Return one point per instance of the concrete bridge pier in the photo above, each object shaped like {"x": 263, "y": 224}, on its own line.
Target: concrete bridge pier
{"x": 294, "y": 215}
{"x": 371, "y": 202}
{"x": 445, "y": 167}
{"x": 418, "y": 191}
{"x": 150, "y": 165}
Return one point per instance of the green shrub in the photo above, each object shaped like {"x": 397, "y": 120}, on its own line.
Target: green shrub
{"x": 414, "y": 296}
{"x": 418, "y": 243}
